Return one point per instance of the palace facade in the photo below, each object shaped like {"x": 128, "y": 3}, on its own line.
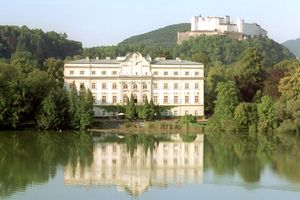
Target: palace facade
{"x": 178, "y": 84}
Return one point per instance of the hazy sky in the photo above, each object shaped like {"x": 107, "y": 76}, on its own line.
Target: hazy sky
{"x": 108, "y": 22}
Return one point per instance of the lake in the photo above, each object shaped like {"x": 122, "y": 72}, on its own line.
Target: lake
{"x": 81, "y": 165}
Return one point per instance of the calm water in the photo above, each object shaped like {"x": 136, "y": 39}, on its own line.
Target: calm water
{"x": 84, "y": 166}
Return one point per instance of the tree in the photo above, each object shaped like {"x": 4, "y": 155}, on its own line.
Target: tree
{"x": 53, "y": 113}
{"x": 12, "y": 106}
{"x": 145, "y": 112}
{"x": 24, "y": 61}
{"x": 130, "y": 112}
{"x": 154, "y": 111}
{"x": 85, "y": 108}
{"x": 54, "y": 68}
{"x": 245, "y": 116}
{"x": 215, "y": 75}
{"x": 266, "y": 117}
{"x": 80, "y": 107}
{"x": 289, "y": 86}
{"x": 227, "y": 100}
{"x": 249, "y": 74}
{"x": 73, "y": 106}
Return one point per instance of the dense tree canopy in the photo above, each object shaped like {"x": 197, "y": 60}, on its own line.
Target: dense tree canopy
{"x": 31, "y": 93}
{"x": 41, "y": 45}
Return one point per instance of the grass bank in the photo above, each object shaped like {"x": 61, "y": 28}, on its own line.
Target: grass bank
{"x": 162, "y": 126}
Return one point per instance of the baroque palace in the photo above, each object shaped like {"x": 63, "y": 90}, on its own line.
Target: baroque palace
{"x": 178, "y": 84}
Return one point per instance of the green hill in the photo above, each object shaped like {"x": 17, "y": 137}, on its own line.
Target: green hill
{"x": 227, "y": 50}
{"x": 163, "y": 37}
{"x": 293, "y": 46}
{"x": 40, "y": 44}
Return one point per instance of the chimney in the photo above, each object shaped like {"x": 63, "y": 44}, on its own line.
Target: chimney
{"x": 178, "y": 59}
{"x": 87, "y": 58}
{"x": 97, "y": 58}
{"x": 107, "y": 58}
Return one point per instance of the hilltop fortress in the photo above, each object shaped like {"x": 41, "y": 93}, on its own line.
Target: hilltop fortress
{"x": 221, "y": 26}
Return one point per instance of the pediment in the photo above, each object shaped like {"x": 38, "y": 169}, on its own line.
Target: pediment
{"x": 134, "y": 64}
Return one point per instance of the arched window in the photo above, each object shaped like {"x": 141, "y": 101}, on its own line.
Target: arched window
{"x": 144, "y": 86}
{"x": 125, "y": 86}
{"x": 145, "y": 98}
{"x": 134, "y": 86}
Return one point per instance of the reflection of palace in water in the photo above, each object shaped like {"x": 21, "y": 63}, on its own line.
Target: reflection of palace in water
{"x": 172, "y": 162}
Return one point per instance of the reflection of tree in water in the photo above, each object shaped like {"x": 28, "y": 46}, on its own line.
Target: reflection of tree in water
{"x": 27, "y": 158}
{"x": 286, "y": 157}
{"x": 230, "y": 153}
{"x": 149, "y": 142}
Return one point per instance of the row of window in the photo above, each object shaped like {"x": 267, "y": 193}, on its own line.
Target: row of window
{"x": 167, "y": 86}
{"x": 176, "y": 73}
{"x": 166, "y": 99}
{"x": 82, "y": 72}
{"x": 155, "y": 73}
{"x": 144, "y": 86}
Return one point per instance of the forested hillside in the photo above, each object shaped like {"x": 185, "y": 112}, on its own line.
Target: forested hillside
{"x": 227, "y": 50}
{"x": 206, "y": 49}
{"x": 40, "y": 44}
{"x": 293, "y": 46}
{"x": 163, "y": 37}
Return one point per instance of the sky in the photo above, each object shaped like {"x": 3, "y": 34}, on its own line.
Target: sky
{"x": 108, "y": 22}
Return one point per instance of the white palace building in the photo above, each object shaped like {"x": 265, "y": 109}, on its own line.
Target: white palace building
{"x": 178, "y": 84}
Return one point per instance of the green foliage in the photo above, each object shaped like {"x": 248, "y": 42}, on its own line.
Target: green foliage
{"x": 228, "y": 50}
{"x": 266, "y": 116}
{"x": 227, "y": 100}
{"x": 131, "y": 111}
{"x": 271, "y": 82}
{"x": 288, "y": 115}
{"x": 187, "y": 119}
{"x": 215, "y": 75}
{"x": 287, "y": 107}
{"x": 40, "y": 44}
{"x": 145, "y": 110}
{"x": 24, "y": 61}
{"x": 163, "y": 37}
{"x": 81, "y": 108}
{"x": 248, "y": 74}
{"x": 289, "y": 86}
{"x": 54, "y": 69}
{"x": 53, "y": 113}
{"x": 245, "y": 116}
{"x": 154, "y": 111}
{"x": 11, "y": 97}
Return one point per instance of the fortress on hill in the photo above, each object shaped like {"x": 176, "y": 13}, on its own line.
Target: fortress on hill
{"x": 221, "y": 26}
